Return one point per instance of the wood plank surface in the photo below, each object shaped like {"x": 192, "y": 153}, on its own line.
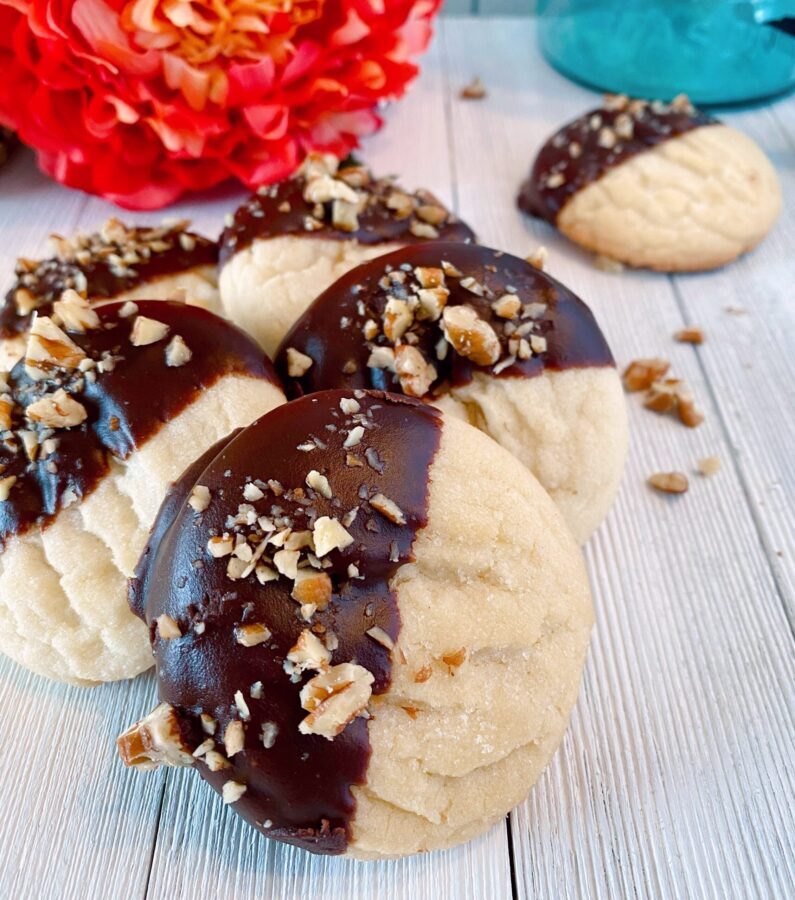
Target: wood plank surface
{"x": 676, "y": 777}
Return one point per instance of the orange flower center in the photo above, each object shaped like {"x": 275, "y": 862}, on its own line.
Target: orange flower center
{"x": 199, "y": 31}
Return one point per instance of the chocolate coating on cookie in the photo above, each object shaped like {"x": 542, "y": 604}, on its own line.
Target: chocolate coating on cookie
{"x": 101, "y": 266}
{"x": 80, "y": 400}
{"x": 233, "y": 673}
{"x": 340, "y": 204}
{"x": 585, "y": 149}
{"x": 427, "y": 317}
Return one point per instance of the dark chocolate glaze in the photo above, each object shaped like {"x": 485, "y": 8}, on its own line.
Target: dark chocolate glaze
{"x": 126, "y": 406}
{"x": 643, "y": 126}
{"x": 330, "y": 331}
{"x": 267, "y": 215}
{"x": 299, "y": 790}
{"x": 99, "y": 277}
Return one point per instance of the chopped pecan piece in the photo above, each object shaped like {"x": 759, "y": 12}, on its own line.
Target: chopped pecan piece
{"x": 690, "y": 335}
{"x": 640, "y": 374}
{"x": 309, "y": 653}
{"x": 334, "y": 698}
{"x": 58, "y": 410}
{"x": 75, "y": 312}
{"x": 49, "y": 349}
{"x": 298, "y": 363}
{"x": 312, "y": 587}
{"x": 178, "y": 353}
{"x": 328, "y": 534}
{"x": 710, "y": 465}
{"x": 471, "y": 336}
{"x": 415, "y": 373}
{"x": 669, "y": 482}
{"x": 147, "y": 331}
{"x": 475, "y": 90}
{"x": 155, "y": 740}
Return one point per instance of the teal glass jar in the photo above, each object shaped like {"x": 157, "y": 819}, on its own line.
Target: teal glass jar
{"x": 715, "y": 51}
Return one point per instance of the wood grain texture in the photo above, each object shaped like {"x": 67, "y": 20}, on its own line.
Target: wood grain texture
{"x": 748, "y": 315}
{"x": 676, "y": 778}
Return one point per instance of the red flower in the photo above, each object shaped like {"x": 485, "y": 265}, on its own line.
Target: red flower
{"x": 141, "y": 100}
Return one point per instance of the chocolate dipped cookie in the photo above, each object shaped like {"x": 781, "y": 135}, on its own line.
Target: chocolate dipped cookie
{"x": 119, "y": 262}
{"x": 488, "y": 338}
{"x": 344, "y": 625}
{"x": 291, "y": 240}
{"x": 660, "y": 185}
{"x": 106, "y": 409}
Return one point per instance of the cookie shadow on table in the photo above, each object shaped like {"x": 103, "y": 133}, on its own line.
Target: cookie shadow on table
{"x": 202, "y": 842}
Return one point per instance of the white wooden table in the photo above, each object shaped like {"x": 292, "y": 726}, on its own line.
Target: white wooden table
{"x": 676, "y": 777}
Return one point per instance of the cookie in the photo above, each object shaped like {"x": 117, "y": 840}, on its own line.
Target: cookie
{"x": 119, "y": 262}
{"x": 369, "y": 634}
{"x": 490, "y": 339}
{"x": 106, "y": 410}
{"x": 660, "y": 185}
{"x": 291, "y": 240}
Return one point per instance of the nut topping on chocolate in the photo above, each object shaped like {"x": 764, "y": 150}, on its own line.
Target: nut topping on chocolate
{"x": 79, "y": 400}
{"x": 582, "y": 151}
{"x": 425, "y": 317}
{"x": 340, "y": 201}
{"x": 281, "y": 676}
{"x": 100, "y": 265}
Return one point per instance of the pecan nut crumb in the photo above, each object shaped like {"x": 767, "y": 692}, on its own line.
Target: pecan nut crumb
{"x": 178, "y": 353}
{"x": 334, "y": 698}
{"x": 709, "y": 465}
{"x": 475, "y": 90}
{"x": 252, "y": 634}
{"x": 232, "y": 791}
{"x": 155, "y": 740}
{"x": 669, "y": 482}
{"x": 471, "y": 336}
{"x": 307, "y": 653}
{"x": 640, "y": 374}
{"x": 415, "y": 373}
{"x": 75, "y": 313}
{"x": 49, "y": 349}
{"x": 147, "y": 331}
{"x": 691, "y": 335}
{"x": 329, "y": 534}
{"x": 234, "y": 738}
{"x": 312, "y": 587}
{"x": 388, "y": 508}
{"x": 58, "y": 410}
{"x": 298, "y": 363}
{"x": 199, "y": 498}
{"x": 168, "y": 628}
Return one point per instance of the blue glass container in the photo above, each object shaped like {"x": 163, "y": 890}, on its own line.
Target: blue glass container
{"x": 715, "y": 51}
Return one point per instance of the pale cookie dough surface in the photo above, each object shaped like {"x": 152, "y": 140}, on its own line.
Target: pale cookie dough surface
{"x": 63, "y": 589}
{"x": 569, "y": 428}
{"x": 696, "y": 201}
{"x": 497, "y": 575}
{"x": 200, "y": 286}
{"x": 266, "y": 287}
